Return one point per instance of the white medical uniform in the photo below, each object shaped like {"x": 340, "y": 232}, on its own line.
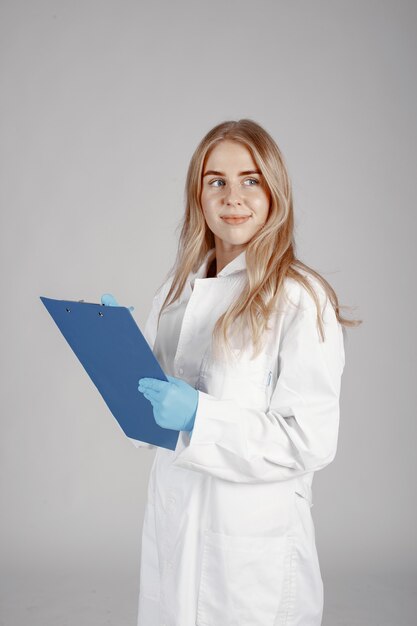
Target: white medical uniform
{"x": 228, "y": 537}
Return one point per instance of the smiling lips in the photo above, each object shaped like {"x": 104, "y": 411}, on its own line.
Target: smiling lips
{"x": 236, "y": 219}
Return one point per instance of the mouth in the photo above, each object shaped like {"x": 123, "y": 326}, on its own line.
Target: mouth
{"x": 236, "y": 219}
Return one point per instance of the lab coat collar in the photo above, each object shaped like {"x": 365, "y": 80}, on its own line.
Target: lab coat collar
{"x": 238, "y": 264}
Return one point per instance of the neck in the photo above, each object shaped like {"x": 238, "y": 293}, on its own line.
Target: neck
{"x": 226, "y": 253}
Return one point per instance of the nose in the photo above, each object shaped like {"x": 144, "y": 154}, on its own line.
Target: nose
{"x": 232, "y": 196}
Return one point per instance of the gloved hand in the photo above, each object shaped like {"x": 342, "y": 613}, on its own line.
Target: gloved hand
{"x": 108, "y": 300}
{"x": 174, "y": 402}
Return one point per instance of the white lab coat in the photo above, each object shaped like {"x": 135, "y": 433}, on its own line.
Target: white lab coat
{"x": 228, "y": 537}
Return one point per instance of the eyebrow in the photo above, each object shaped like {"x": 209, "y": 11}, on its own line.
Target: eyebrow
{"x": 215, "y": 173}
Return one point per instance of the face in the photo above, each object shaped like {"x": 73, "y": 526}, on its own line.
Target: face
{"x": 233, "y": 187}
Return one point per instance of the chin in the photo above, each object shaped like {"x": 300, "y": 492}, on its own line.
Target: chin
{"x": 237, "y": 241}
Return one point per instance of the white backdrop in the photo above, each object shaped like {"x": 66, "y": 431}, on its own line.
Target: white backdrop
{"x": 102, "y": 104}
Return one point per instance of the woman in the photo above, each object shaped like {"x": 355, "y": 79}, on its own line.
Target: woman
{"x": 251, "y": 341}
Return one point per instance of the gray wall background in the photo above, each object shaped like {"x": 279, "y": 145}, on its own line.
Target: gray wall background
{"x": 102, "y": 105}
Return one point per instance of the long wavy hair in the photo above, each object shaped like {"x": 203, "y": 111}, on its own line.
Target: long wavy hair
{"x": 270, "y": 254}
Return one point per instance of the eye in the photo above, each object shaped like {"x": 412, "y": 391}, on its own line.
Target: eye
{"x": 219, "y": 180}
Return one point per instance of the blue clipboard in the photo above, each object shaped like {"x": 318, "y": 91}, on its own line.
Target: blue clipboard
{"x": 115, "y": 355}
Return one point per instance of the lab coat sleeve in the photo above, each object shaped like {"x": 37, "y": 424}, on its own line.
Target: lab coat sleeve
{"x": 297, "y": 434}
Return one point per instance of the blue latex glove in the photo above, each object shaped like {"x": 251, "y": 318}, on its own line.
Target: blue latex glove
{"x": 108, "y": 300}
{"x": 174, "y": 402}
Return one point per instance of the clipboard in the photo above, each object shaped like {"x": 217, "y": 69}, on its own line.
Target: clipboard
{"x": 115, "y": 355}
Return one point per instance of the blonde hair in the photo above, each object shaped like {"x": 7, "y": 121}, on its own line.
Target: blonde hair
{"x": 270, "y": 254}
